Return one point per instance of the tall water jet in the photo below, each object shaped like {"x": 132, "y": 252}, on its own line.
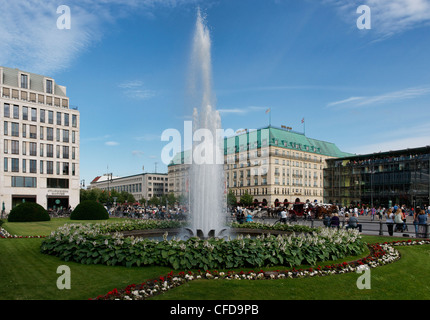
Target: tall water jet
{"x": 206, "y": 172}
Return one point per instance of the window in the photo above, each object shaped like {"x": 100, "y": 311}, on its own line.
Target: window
{"x": 41, "y": 166}
{"x": 65, "y": 168}
{"x": 65, "y": 135}
{"x": 15, "y": 165}
{"x": 58, "y": 135}
{"x": 41, "y": 133}
{"x": 74, "y": 121}
{"x": 41, "y": 148}
{"x": 16, "y": 112}
{"x": 33, "y": 149}
{"x": 15, "y": 129}
{"x": 73, "y": 136}
{"x": 24, "y": 81}
{"x": 66, "y": 119}
{"x": 65, "y": 152}
{"x": 50, "y": 150}
{"x": 24, "y": 131}
{"x": 73, "y": 169}
{"x": 33, "y": 114}
{"x": 59, "y": 118}
{"x": 42, "y": 115}
{"x": 6, "y": 110}
{"x": 33, "y": 132}
{"x": 49, "y": 86}
{"x": 50, "y": 134}
{"x": 33, "y": 164}
{"x": 73, "y": 153}
{"x": 5, "y": 147}
{"x": 5, "y": 167}
{"x": 15, "y": 147}
{"x": 49, "y": 167}
{"x": 24, "y": 182}
{"x": 58, "y": 151}
{"x": 24, "y": 148}
{"x": 57, "y": 183}
{"x": 24, "y": 113}
{"x": 51, "y": 117}
{"x": 24, "y": 165}
{"x": 5, "y": 128}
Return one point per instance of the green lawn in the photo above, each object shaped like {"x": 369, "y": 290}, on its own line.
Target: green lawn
{"x": 26, "y": 274}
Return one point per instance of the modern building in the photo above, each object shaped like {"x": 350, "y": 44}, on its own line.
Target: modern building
{"x": 380, "y": 179}
{"x": 143, "y": 185}
{"x": 274, "y": 165}
{"x": 39, "y": 141}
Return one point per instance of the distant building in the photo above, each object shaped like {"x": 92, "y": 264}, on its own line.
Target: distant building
{"x": 143, "y": 185}
{"x": 382, "y": 179}
{"x": 39, "y": 143}
{"x": 274, "y": 165}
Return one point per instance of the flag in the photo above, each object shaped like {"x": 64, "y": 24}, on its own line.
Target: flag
{"x": 303, "y": 120}
{"x": 267, "y": 111}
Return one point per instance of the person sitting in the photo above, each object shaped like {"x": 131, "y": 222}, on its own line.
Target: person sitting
{"x": 353, "y": 223}
{"x": 249, "y": 217}
{"x": 334, "y": 222}
{"x": 327, "y": 220}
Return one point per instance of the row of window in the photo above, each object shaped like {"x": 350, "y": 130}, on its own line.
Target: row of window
{"x": 45, "y": 150}
{"x": 31, "y": 182}
{"x": 49, "y": 84}
{"x": 62, "y": 118}
{"x": 30, "y": 166}
{"x": 12, "y": 128}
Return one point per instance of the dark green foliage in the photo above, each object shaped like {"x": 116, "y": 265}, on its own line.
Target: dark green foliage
{"x": 28, "y": 211}
{"x": 89, "y": 210}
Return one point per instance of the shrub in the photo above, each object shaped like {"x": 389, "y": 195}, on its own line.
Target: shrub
{"x": 89, "y": 210}
{"x": 28, "y": 211}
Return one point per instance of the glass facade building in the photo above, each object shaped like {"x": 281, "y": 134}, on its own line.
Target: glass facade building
{"x": 379, "y": 179}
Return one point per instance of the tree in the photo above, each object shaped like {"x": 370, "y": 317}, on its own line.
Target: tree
{"x": 171, "y": 199}
{"x": 231, "y": 199}
{"x": 246, "y": 199}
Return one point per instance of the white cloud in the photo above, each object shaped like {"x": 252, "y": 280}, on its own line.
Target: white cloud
{"x": 136, "y": 90}
{"x": 111, "y": 143}
{"x": 389, "y": 17}
{"x": 31, "y": 40}
{"x": 242, "y": 110}
{"x": 399, "y": 95}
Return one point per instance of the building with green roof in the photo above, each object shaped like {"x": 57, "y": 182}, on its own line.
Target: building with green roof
{"x": 274, "y": 165}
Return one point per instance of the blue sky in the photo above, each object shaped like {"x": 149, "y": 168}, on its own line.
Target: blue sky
{"x": 125, "y": 65}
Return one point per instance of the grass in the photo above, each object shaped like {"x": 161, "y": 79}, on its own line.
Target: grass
{"x": 26, "y": 274}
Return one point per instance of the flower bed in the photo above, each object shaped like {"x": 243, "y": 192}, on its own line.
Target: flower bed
{"x": 4, "y": 234}
{"x": 90, "y": 244}
{"x": 380, "y": 254}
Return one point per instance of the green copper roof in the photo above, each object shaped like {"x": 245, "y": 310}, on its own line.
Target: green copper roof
{"x": 273, "y": 136}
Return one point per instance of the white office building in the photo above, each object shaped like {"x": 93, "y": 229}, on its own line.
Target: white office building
{"x": 39, "y": 142}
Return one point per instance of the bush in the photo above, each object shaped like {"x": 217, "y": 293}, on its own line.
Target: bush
{"x": 28, "y": 211}
{"x": 89, "y": 210}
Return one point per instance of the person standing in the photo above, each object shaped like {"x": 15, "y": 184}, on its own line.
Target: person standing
{"x": 283, "y": 216}
{"x": 422, "y": 223}
{"x": 390, "y": 221}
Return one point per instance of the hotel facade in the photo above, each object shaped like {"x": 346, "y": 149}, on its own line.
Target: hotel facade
{"x": 274, "y": 165}
{"x": 39, "y": 142}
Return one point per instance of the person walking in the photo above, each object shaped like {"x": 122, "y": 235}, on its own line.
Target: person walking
{"x": 422, "y": 223}
{"x": 390, "y": 221}
{"x": 416, "y": 223}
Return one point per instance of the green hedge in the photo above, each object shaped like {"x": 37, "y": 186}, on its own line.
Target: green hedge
{"x": 89, "y": 210}
{"x": 88, "y": 245}
{"x": 28, "y": 211}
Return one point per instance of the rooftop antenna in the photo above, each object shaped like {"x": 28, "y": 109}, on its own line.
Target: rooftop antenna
{"x": 156, "y": 167}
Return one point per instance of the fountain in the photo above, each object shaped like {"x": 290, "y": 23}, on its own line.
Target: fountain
{"x": 206, "y": 172}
